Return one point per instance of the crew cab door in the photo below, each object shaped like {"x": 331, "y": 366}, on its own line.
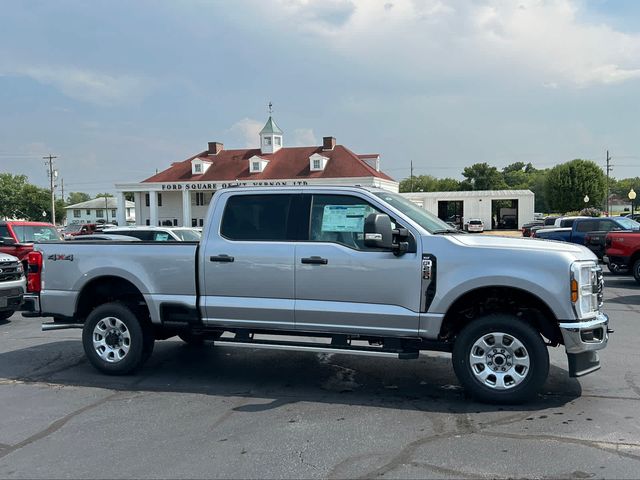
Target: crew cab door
{"x": 343, "y": 286}
{"x": 246, "y": 261}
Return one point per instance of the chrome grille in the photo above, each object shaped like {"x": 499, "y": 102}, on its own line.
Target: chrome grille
{"x": 9, "y": 271}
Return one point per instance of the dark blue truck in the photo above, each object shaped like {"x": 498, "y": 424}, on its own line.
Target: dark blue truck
{"x": 590, "y": 231}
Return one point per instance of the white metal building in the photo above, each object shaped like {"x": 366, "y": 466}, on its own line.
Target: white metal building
{"x": 506, "y": 209}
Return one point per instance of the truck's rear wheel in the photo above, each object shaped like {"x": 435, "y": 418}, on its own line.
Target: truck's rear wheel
{"x": 500, "y": 359}
{"x": 114, "y": 340}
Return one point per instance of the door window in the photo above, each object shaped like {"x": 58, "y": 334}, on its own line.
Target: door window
{"x": 339, "y": 219}
{"x": 258, "y": 218}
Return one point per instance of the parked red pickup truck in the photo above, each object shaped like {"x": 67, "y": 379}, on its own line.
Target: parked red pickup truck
{"x": 17, "y": 237}
{"x": 623, "y": 252}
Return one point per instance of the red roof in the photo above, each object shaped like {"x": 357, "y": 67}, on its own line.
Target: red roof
{"x": 286, "y": 163}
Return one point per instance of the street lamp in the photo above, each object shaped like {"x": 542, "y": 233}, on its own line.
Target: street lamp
{"x": 632, "y": 197}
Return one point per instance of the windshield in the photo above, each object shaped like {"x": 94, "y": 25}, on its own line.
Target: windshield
{"x": 423, "y": 218}
{"x": 628, "y": 224}
{"x": 188, "y": 235}
{"x": 32, "y": 233}
{"x": 73, "y": 228}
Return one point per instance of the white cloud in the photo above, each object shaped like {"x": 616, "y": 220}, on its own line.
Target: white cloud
{"x": 302, "y": 137}
{"x": 90, "y": 86}
{"x": 542, "y": 41}
{"x": 248, "y": 131}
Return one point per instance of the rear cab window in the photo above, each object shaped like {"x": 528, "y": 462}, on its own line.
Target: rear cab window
{"x": 265, "y": 218}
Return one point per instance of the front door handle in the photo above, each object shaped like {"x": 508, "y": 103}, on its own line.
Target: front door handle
{"x": 221, "y": 258}
{"x": 315, "y": 260}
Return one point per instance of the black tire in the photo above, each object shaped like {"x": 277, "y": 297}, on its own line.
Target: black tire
{"x": 525, "y": 386}
{"x": 636, "y": 270}
{"x": 6, "y": 315}
{"x": 136, "y": 332}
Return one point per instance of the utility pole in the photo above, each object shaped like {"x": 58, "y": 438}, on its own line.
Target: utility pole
{"x": 609, "y": 168}
{"x": 411, "y": 188}
{"x": 62, "y": 187}
{"x": 52, "y": 174}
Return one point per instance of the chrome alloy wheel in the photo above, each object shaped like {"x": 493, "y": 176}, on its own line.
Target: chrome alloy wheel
{"x": 111, "y": 339}
{"x": 499, "y": 361}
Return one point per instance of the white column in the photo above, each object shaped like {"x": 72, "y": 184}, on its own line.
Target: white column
{"x": 121, "y": 213}
{"x": 186, "y": 208}
{"x": 153, "y": 204}
{"x": 138, "y": 198}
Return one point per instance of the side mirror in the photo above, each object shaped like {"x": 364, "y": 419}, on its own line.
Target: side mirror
{"x": 377, "y": 231}
{"x": 7, "y": 241}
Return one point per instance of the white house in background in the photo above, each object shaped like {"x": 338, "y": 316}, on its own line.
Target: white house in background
{"x": 180, "y": 195}
{"x": 498, "y": 209}
{"x": 99, "y": 210}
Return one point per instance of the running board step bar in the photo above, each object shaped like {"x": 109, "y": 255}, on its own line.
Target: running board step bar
{"x": 46, "y": 327}
{"x": 318, "y": 348}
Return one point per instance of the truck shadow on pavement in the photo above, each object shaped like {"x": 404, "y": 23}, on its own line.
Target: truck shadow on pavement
{"x": 270, "y": 379}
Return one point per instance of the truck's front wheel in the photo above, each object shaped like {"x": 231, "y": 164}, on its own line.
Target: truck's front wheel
{"x": 500, "y": 359}
{"x": 114, "y": 340}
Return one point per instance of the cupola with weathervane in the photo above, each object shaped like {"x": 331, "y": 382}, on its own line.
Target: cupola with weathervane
{"x": 270, "y": 136}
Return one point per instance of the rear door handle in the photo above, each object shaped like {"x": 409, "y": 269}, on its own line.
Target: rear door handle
{"x": 221, "y": 258}
{"x": 315, "y": 260}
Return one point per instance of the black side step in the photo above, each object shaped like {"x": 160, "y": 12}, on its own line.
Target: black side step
{"x": 244, "y": 342}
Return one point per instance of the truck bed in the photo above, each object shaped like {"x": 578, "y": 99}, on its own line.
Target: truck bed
{"x": 162, "y": 272}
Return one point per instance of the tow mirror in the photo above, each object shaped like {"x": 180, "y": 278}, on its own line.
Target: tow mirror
{"x": 377, "y": 231}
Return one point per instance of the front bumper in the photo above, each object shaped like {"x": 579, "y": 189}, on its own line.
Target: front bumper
{"x": 582, "y": 340}
{"x": 11, "y": 293}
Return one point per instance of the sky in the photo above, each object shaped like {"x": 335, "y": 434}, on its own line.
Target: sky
{"x": 117, "y": 89}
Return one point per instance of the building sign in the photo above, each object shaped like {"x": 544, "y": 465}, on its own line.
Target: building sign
{"x": 174, "y": 186}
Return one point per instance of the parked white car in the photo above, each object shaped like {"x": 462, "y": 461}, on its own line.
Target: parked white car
{"x": 474, "y": 225}
{"x": 158, "y": 234}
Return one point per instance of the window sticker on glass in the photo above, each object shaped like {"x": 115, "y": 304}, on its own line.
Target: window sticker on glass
{"x": 344, "y": 218}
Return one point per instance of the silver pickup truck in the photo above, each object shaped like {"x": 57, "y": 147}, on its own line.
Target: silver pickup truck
{"x": 337, "y": 269}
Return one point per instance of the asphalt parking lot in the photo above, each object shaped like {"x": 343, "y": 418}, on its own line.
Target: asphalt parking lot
{"x": 223, "y": 412}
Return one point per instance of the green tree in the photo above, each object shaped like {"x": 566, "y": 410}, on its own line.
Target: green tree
{"x": 622, "y": 187}
{"x": 11, "y": 187}
{"x": 77, "y": 197}
{"x": 482, "y": 176}
{"x": 568, "y": 183}
{"x": 429, "y": 183}
{"x": 518, "y": 175}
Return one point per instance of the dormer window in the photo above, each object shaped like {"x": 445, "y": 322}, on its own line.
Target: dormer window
{"x": 257, "y": 164}
{"x": 267, "y": 140}
{"x": 277, "y": 141}
{"x": 199, "y": 166}
{"x": 317, "y": 162}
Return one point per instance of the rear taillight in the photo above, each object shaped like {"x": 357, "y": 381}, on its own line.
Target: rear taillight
{"x": 34, "y": 272}
{"x": 608, "y": 241}
{"x": 587, "y": 239}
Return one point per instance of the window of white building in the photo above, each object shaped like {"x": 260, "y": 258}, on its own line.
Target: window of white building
{"x": 76, "y": 213}
{"x": 200, "y": 198}
{"x": 99, "y": 213}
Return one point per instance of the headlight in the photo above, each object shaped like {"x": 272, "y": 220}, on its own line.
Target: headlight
{"x": 586, "y": 288}
{"x": 20, "y": 269}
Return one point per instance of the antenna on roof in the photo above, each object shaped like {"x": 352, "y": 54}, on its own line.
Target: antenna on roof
{"x": 270, "y": 108}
